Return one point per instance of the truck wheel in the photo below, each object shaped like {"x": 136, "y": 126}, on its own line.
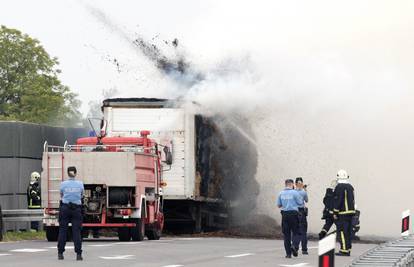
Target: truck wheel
{"x": 138, "y": 231}
{"x": 52, "y": 233}
{"x": 154, "y": 234}
{"x": 123, "y": 234}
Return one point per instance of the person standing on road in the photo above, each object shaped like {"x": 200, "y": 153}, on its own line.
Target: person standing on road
{"x": 303, "y": 213}
{"x": 344, "y": 210}
{"x": 33, "y": 197}
{"x": 327, "y": 213}
{"x": 70, "y": 211}
{"x": 289, "y": 201}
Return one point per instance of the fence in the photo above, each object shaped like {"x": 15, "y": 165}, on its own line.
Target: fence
{"x": 399, "y": 253}
{"x": 21, "y": 215}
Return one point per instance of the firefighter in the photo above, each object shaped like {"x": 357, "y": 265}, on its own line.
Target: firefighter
{"x": 33, "y": 197}
{"x": 289, "y": 201}
{"x": 327, "y": 213}
{"x": 303, "y": 213}
{"x": 344, "y": 210}
{"x": 70, "y": 211}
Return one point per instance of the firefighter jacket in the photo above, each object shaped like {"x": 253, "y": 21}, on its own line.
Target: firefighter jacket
{"x": 33, "y": 196}
{"x": 328, "y": 203}
{"x": 344, "y": 201}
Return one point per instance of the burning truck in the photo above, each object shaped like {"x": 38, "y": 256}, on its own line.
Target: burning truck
{"x": 196, "y": 181}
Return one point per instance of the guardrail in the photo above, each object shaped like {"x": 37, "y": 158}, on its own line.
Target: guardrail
{"x": 399, "y": 253}
{"x": 21, "y": 215}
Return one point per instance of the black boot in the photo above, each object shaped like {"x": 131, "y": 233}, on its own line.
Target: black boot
{"x": 79, "y": 257}
{"x": 346, "y": 254}
{"x": 294, "y": 251}
{"x": 60, "y": 256}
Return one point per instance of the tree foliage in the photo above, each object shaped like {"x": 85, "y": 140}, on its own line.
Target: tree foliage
{"x": 30, "y": 89}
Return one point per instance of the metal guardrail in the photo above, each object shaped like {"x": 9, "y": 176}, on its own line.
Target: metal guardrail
{"x": 399, "y": 253}
{"x": 21, "y": 215}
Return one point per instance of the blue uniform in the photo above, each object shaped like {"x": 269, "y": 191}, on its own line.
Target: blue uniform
{"x": 289, "y": 201}
{"x": 70, "y": 212}
{"x": 72, "y": 191}
{"x": 304, "y": 195}
{"x": 303, "y": 221}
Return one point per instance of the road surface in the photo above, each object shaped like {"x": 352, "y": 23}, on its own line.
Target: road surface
{"x": 167, "y": 252}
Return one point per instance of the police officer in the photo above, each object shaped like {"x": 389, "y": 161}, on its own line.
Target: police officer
{"x": 344, "y": 210}
{"x": 327, "y": 213}
{"x": 303, "y": 214}
{"x": 71, "y": 192}
{"x": 33, "y": 196}
{"x": 289, "y": 201}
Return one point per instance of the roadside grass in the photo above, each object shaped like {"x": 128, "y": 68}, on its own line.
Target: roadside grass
{"x": 19, "y": 236}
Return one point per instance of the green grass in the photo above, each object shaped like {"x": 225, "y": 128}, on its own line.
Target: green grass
{"x": 19, "y": 236}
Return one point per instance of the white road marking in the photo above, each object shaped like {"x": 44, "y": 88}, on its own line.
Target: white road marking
{"x": 30, "y": 250}
{"x": 5, "y": 254}
{"x": 119, "y": 257}
{"x": 295, "y": 265}
{"x": 101, "y": 245}
{"x": 172, "y": 265}
{"x": 66, "y": 247}
{"x": 239, "y": 255}
{"x": 128, "y": 243}
{"x": 313, "y": 247}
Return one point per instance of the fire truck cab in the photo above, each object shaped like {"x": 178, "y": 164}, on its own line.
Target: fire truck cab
{"x": 122, "y": 178}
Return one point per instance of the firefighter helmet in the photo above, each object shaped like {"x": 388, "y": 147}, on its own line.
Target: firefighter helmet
{"x": 34, "y": 177}
{"x": 342, "y": 175}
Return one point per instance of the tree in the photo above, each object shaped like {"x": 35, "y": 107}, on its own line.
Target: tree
{"x": 30, "y": 89}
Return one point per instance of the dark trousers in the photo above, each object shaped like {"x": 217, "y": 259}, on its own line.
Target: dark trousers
{"x": 70, "y": 214}
{"x": 329, "y": 221}
{"x": 344, "y": 231}
{"x": 290, "y": 228}
{"x": 303, "y": 230}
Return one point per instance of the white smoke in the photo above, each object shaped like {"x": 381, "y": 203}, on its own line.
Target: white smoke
{"x": 324, "y": 85}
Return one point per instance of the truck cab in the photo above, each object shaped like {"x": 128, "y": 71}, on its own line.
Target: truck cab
{"x": 122, "y": 178}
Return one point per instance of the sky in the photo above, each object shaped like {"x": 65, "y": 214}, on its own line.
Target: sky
{"x": 278, "y": 34}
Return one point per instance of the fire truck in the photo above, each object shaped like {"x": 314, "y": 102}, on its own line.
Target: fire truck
{"x": 123, "y": 183}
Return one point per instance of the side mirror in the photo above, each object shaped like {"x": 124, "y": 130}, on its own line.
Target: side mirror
{"x": 168, "y": 156}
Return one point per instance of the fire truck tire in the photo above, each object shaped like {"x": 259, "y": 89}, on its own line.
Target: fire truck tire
{"x": 154, "y": 234}
{"x": 138, "y": 232}
{"x": 123, "y": 234}
{"x": 52, "y": 233}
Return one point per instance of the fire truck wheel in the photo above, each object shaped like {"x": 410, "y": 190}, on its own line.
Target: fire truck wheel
{"x": 123, "y": 234}
{"x": 138, "y": 231}
{"x": 154, "y": 234}
{"x": 52, "y": 233}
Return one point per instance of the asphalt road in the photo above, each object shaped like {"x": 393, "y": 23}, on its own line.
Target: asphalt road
{"x": 167, "y": 252}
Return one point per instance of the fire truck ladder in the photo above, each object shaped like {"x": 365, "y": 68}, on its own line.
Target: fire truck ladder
{"x": 55, "y": 174}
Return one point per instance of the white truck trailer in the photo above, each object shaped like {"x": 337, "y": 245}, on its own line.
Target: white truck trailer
{"x": 191, "y": 195}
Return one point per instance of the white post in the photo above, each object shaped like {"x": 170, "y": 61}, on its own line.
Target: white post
{"x": 326, "y": 251}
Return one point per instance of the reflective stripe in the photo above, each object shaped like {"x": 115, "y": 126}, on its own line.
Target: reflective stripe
{"x": 323, "y": 230}
{"x": 345, "y": 250}
{"x": 346, "y": 200}
{"x": 343, "y": 241}
{"x": 346, "y": 212}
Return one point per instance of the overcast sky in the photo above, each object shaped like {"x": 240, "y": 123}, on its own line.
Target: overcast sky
{"x": 375, "y": 34}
